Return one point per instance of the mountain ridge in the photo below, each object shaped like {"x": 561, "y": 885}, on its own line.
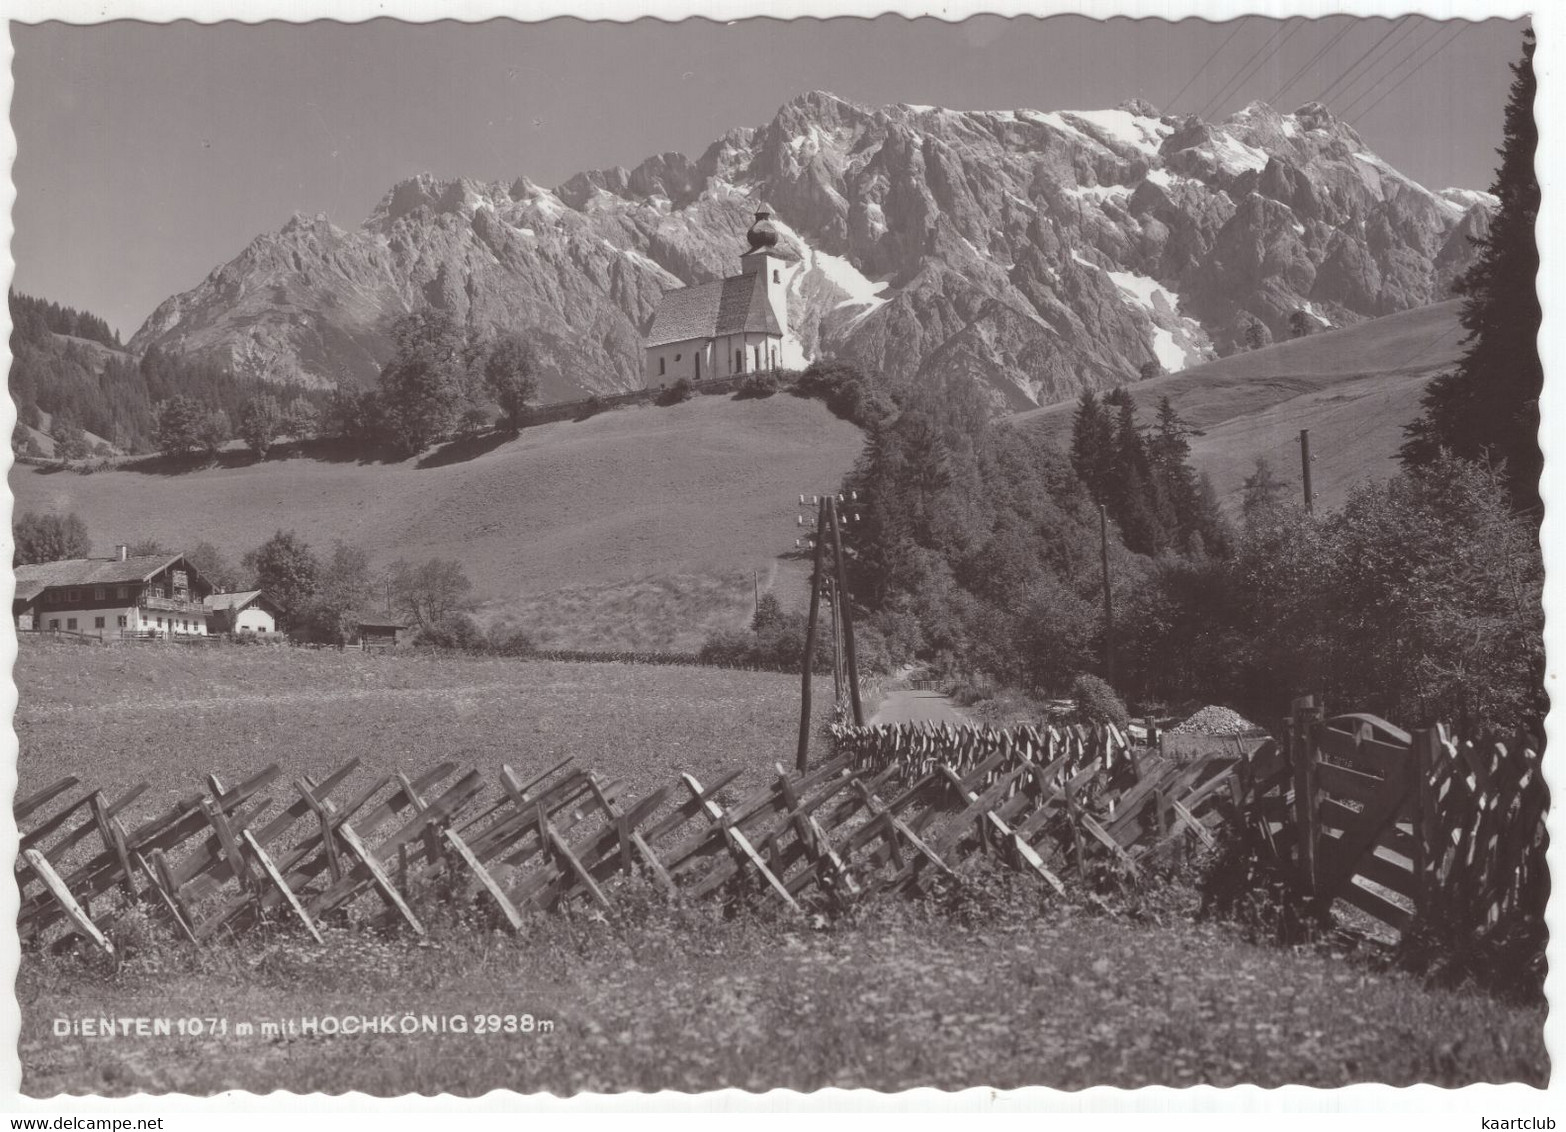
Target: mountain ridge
{"x": 1034, "y": 253}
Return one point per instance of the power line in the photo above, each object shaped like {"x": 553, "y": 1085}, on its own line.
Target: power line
{"x": 1440, "y": 48}
{"x": 1314, "y": 59}
{"x": 1240, "y": 23}
{"x": 1397, "y": 28}
{"x": 1248, "y": 70}
{"x": 1389, "y": 71}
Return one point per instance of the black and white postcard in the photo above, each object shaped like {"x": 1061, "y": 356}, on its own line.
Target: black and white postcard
{"x": 702, "y": 554}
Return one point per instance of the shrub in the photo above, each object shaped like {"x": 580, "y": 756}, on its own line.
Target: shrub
{"x": 681, "y": 390}
{"x": 757, "y": 386}
{"x": 453, "y": 631}
{"x": 503, "y": 640}
{"x": 1097, "y": 701}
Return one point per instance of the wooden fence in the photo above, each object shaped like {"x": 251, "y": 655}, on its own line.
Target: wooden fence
{"x": 1360, "y": 811}
{"x": 1404, "y": 825}
{"x": 890, "y": 810}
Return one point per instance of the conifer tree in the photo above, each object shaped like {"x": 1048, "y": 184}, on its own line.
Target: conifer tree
{"x": 1487, "y": 409}
{"x": 1092, "y": 446}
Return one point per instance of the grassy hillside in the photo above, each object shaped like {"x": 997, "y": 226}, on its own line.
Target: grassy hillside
{"x": 1354, "y": 389}
{"x": 679, "y": 505}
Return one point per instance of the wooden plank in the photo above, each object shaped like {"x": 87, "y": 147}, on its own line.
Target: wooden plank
{"x": 1388, "y": 874}
{"x": 575, "y": 866}
{"x": 32, "y": 838}
{"x": 1023, "y": 850}
{"x": 236, "y": 861}
{"x": 1102, "y": 836}
{"x": 113, "y": 839}
{"x": 738, "y": 840}
{"x": 276, "y": 877}
{"x": 1370, "y": 903}
{"x": 1345, "y": 783}
{"x": 1191, "y": 822}
{"x": 507, "y": 909}
{"x": 378, "y": 873}
{"x": 73, "y": 910}
{"x": 24, "y": 808}
{"x": 169, "y": 902}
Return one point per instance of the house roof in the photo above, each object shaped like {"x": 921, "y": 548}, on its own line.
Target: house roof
{"x": 39, "y": 576}
{"x": 234, "y": 601}
{"x": 378, "y": 623}
{"x": 735, "y": 305}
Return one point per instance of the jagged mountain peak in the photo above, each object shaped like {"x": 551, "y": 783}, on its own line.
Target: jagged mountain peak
{"x": 1037, "y": 252}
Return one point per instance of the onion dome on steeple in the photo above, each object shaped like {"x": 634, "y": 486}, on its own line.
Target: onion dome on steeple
{"x": 762, "y": 234}
{"x": 763, "y": 237}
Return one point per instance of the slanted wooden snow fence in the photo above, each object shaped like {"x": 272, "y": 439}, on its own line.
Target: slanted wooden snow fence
{"x": 890, "y": 809}
{"x": 1429, "y": 821}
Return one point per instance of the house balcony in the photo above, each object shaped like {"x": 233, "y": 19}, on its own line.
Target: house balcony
{"x": 171, "y": 604}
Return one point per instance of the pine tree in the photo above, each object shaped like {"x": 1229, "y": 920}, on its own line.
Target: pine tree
{"x": 1488, "y": 408}
{"x": 1092, "y": 446}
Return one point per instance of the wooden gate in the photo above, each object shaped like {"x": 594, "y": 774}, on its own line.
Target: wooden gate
{"x": 1398, "y": 824}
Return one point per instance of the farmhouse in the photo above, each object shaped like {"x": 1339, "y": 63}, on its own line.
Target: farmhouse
{"x": 729, "y": 326}
{"x": 158, "y": 594}
{"x": 248, "y": 611}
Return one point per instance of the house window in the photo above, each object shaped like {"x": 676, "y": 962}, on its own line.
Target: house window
{"x": 123, "y": 593}
{"x": 662, "y": 366}
{"x": 121, "y": 620}
{"x": 54, "y": 622}
{"x": 72, "y": 595}
{"x": 776, "y": 278}
{"x": 97, "y": 622}
{"x": 739, "y": 360}
{"x": 698, "y": 367}
{"x": 160, "y": 622}
{"x": 677, "y": 357}
{"x": 97, "y": 593}
{"x": 70, "y": 622}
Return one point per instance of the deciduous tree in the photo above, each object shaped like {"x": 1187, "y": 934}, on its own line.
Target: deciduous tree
{"x": 511, "y": 377}
{"x": 426, "y": 592}
{"x": 47, "y": 537}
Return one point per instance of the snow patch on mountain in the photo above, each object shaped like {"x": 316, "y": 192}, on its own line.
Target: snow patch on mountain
{"x": 1235, "y": 156}
{"x": 1144, "y": 134}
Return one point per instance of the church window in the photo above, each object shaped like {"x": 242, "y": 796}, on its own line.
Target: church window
{"x": 739, "y": 360}
{"x": 661, "y": 363}
{"x": 776, "y": 278}
{"x": 698, "y": 367}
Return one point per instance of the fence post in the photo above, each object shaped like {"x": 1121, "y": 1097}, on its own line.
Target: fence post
{"x": 1302, "y": 758}
{"x": 1424, "y": 750}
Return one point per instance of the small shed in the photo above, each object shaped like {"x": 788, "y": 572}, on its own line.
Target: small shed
{"x": 382, "y": 633}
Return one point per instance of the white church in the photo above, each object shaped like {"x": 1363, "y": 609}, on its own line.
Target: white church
{"x": 730, "y": 326}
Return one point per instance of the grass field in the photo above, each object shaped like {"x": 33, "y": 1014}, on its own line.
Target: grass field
{"x": 170, "y": 715}
{"x": 681, "y": 504}
{"x": 983, "y": 985}
{"x": 1354, "y": 389}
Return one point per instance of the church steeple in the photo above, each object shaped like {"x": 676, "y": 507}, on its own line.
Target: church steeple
{"x": 763, "y": 234}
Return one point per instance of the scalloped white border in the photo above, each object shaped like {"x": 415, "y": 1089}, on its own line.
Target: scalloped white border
{"x": 1359, "y": 1105}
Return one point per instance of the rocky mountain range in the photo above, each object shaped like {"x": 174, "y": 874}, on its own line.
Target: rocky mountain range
{"x": 1036, "y": 253}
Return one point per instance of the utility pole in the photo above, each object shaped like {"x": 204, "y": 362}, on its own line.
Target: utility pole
{"x": 844, "y": 613}
{"x": 802, "y": 758}
{"x": 828, "y": 521}
{"x": 1109, "y": 607}
{"x": 1305, "y": 459}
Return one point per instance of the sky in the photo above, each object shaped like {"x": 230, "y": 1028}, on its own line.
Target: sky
{"x": 148, "y": 154}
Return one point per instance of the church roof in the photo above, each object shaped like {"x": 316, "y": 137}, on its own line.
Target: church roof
{"x": 735, "y": 305}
